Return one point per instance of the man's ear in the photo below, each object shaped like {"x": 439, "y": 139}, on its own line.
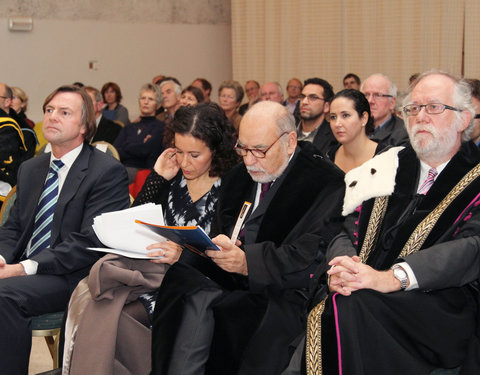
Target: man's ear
{"x": 466, "y": 119}
{"x": 291, "y": 142}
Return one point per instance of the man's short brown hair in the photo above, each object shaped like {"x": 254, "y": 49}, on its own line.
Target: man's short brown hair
{"x": 88, "y": 113}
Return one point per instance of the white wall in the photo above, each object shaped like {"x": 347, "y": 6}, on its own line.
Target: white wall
{"x": 59, "y": 51}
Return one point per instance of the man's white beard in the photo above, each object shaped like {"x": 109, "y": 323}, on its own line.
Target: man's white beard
{"x": 268, "y": 177}
{"x": 435, "y": 146}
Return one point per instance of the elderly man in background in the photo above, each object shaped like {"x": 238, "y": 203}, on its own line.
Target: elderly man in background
{"x": 252, "y": 90}
{"x": 410, "y": 266}
{"x": 170, "y": 92}
{"x": 381, "y": 94}
{"x": 43, "y": 244}
{"x": 239, "y": 310}
{"x": 272, "y": 91}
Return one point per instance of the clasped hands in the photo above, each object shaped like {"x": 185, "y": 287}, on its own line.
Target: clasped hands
{"x": 349, "y": 274}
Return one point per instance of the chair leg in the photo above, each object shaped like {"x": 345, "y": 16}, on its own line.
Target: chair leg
{"x": 52, "y": 343}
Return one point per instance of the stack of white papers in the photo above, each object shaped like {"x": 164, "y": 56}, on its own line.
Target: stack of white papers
{"x": 121, "y": 235}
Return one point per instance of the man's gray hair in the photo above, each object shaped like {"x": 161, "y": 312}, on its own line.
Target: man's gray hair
{"x": 176, "y": 86}
{"x": 392, "y": 87}
{"x": 154, "y": 88}
{"x": 462, "y": 99}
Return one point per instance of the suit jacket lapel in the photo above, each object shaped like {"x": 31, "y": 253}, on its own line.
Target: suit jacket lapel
{"x": 75, "y": 176}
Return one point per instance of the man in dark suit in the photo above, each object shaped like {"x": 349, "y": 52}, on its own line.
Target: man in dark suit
{"x": 252, "y": 292}
{"x": 314, "y": 105}
{"x": 404, "y": 299}
{"x": 381, "y": 94}
{"x": 107, "y": 130}
{"x": 43, "y": 257}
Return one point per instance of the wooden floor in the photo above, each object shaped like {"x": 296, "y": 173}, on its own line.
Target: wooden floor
{"x": 40, "y": 359}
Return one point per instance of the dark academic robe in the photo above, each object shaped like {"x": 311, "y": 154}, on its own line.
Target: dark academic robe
{"x": 257, "y": 316}
{"x": 410, "y": 332}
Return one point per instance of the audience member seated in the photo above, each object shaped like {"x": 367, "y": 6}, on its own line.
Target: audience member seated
{"x": 170, "y": 93}
{"x": 351, "y": 123}
{"x": 294, "y": 89}
{"x": 236, "y": 311}
{"x": 252, "y": 89}
{"x": 351, "y": 81}
{"x": 205, "y": 86}
{"x": 381, "y": 93}
{"x": 107, "y": 130}
{"x": 140, "y": 143}
{"x": 230, "y": 95}
{"x": 314, "y": 105}
{"x": 43, "y": 242}
{"x": 19, "y": 105}
{"x": 191, "y": 96}
{"x": 185, "y": 180}
{"x": 475, "y": 85}
{"x": 405, "y": 299}
{"x": 13, "y": 149}
{"x": 272, "y": 91}
{"x": 112, "y": 96}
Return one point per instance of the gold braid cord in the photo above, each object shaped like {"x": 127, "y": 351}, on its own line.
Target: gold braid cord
{"x": 421, "y": 232}
{"x": 313, "y": 350}
{"x": 373, "y": 229}
{"x": 313, "y": 344}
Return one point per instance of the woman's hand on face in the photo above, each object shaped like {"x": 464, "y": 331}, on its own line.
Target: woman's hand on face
{"x": 166, "y": 164}
{"x": 168, "y": 250}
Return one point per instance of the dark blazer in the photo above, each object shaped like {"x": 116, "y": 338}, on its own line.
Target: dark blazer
{"x": 96, "y": 183}
{"x": 107, "y": 131}
{"x": 392, "y": 133}
{"x": 285, "y": 239}
{"x": 324, "y": 139}
{"x": 301, "y": 203}
{"x": 451, "y": 248}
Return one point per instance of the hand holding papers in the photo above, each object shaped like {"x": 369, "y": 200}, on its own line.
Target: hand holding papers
{"x": 193, "y": 238}
{"x": 119, "y": 232}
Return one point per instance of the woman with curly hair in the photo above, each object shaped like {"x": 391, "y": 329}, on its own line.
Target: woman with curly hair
{"x": 185, "y": 180}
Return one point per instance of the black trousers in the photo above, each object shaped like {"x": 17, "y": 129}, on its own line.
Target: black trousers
{"x": 21, "y": 298}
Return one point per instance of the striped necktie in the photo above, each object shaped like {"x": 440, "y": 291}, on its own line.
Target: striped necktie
{"x": 427, "y": 184}
{"x": 45, "y": 211}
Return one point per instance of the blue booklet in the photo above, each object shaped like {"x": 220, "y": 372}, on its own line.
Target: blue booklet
{"x": 193, "y": 238}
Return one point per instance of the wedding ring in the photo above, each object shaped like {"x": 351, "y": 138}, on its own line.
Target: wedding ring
{"x": 163, "y": 253}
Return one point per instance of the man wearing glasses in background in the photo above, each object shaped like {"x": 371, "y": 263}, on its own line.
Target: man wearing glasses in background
{"x": 404, "y": 290}
{"x": 314, "y": 105}
{"x": 381, "y": 94}
{"x": 249, "y": 295}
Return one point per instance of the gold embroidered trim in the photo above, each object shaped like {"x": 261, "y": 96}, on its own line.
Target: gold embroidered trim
{"x": 373, "y": 228}
{"x": 313, "y": 346}
{"x": 421, "y": 232}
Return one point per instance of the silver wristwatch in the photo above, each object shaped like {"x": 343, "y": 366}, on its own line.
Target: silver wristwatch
{"x": 400, "y": 274}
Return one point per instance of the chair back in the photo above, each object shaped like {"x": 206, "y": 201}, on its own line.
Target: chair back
{"x": 7, "y": 205}
{"x": 106, "y": 147}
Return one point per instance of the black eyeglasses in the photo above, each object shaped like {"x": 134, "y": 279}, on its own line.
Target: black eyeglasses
{"x": 477, "y": 116}
{"x": 310, "y": 98}
{"x": 376, "y": 95}
{"x": 430, "y": 108}
{"x": 256, "y": 152}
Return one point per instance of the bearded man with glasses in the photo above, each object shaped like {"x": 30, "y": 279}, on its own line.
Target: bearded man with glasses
{"x": 237, "y": 311}
{"x": 404, "y": 279}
